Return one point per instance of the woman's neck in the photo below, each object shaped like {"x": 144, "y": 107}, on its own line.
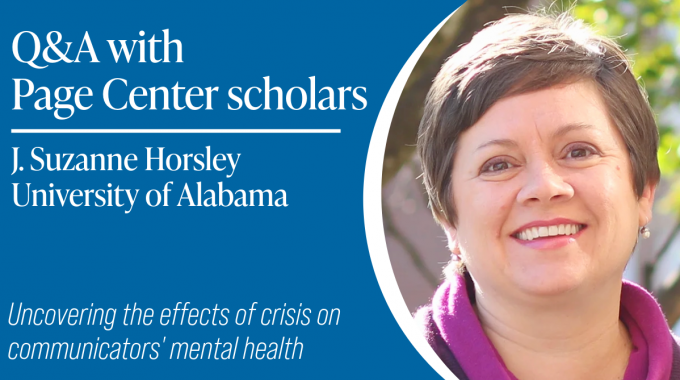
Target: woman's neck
{"x": 574, "y": 336}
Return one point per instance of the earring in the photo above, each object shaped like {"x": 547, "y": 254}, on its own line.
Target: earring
{"x": 644, "y": 231}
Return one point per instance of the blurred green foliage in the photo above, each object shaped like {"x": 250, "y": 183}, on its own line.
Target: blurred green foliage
{"x": 649, "y": 31}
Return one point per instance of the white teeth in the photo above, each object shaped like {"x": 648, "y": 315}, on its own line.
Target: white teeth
{"x": 535, "y": 232}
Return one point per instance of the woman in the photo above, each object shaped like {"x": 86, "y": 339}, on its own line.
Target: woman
{"x": 539, "y": 157}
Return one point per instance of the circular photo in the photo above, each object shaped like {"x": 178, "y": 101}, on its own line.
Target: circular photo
{"x": 531, "y": 191}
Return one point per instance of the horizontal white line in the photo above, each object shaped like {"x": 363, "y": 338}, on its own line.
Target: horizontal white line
{"x": 175, "y": 131}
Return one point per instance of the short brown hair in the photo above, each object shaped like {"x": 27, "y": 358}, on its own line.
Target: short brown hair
{"x": 520, "y": 54}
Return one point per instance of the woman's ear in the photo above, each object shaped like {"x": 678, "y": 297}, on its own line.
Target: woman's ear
{"x": 452, "y": 236}
{"x": 646, "y": 203}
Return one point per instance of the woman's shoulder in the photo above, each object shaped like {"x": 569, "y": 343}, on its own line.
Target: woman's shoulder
{"x": 425, "y": 322}
{"x": 675, "y": 369}
{"x": 430, "y": 331}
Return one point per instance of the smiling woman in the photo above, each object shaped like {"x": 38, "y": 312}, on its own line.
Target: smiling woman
{"x": 556, "y": 161}
{"x": 539, "y": 156}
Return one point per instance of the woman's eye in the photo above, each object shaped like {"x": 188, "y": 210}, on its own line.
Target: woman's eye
{"x": 496, "y": 166}
{"x": 581, "y": 152}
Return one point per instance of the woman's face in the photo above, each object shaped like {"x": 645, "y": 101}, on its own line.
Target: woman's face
{"x": 543, "y": 189}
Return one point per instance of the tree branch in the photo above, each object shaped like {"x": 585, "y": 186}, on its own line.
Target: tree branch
{"x": 410, "y": 249}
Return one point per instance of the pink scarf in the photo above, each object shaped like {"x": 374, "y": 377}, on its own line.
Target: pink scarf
{"x": 651, "y": 358}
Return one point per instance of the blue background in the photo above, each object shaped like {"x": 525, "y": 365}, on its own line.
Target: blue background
{"x": 312, "y": 252}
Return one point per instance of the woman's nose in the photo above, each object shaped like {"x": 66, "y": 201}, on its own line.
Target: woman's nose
{"x": 544, "y": 184}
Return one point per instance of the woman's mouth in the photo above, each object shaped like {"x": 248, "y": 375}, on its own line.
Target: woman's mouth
{"x": 532, "y": 233}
